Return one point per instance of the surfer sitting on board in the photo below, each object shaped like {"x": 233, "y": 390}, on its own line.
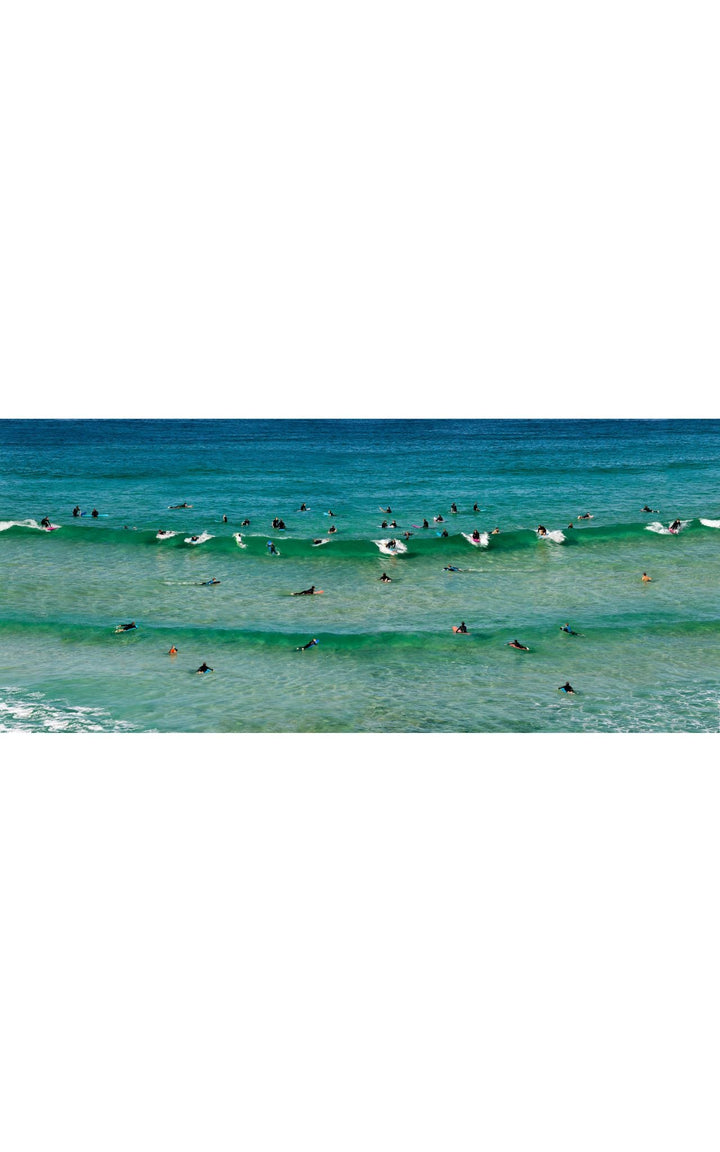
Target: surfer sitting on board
{"x": 76, "y": 510}
{"x": 303, "y": 508}
{"x": 385, "y": 578}
{"x": 453, "y": 508}
{"x": 303, "y": 647}
{"x": 444, "y": 532}
{"x": 332, "y": 529}
{"x": 518, "y": 645}
{"x": 425, "y": 524}
{"x": 475, "y": 508}
{"x": 384, "y": 524}
{"x": 438, "y": 519}
{"x": 245, "y": 524}
{"x": 462, "y": 627}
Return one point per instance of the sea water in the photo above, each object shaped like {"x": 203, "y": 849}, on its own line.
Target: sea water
{"x": 647, "y": 657}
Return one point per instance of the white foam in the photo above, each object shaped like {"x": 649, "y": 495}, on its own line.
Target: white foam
{"x": 33, "y": 712}
{"x": 711, "y": 523}
{"x": 165, "y": 535}
{"x": 397, "y": 549}
{"x": 200, "y": 540}
{"x": 5, "y": 524}
{"x": 557, "y": 536}
{"x": 661, "y": 530}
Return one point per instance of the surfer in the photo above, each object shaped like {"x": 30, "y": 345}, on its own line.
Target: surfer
{"x": 674, "y": 526}
{"x": 384, "y": 524}
{"x": 95, "y": 513}
{"x": 126, "y": 627}
{"x": 462, "y": 627}
{"x": 204, "y": 668}
{"x": 646, "y": 579}
{"x": 587, "y": 516}
{"x": 476, "y": 534}
{"x": 541, "y": 530}
{"x": 194, "y": 539}
{"x": 425, "y": 524}
{"x": 518, "y": 645}
{"x": 392, "y": 544}
{"x": 245, "y": 524}
{"x": 407, "y": 535}
{"x": 385, "y": 578}
{"x": 303, "y": 508}
{"x": 272, "y": 549}
{"x": 453, "y": 507}
{"x": 76, "y": 510}
{"x": 332, "y": 529}
{"x": 173, "y": 651}
{"x": 438, "y": 519}
{"x": 45, "y": 522}
{"x": 451, "y": 568}
{"x": 179, "y": 505}
{"x": 646, "y": 509}
{"x": 318, "y": 540}
{"x": 224, "y": 518}
{"x": 330, "y": 513}
{"x": 567, "y": 687}
{"x": 310, "y": 643}
{"x": 475, "y": 508}
{"x": 205, "y": 583}
{"x": 568, "y": 629}
{"x": 393, "y": 523}
{"x": 305, "y": 592}
{"x": 388, "y": 510}
{"x": 571, "y": 525}
{"x": 444, "y": 532}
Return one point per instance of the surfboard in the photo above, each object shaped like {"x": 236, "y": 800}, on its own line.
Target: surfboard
{"x": 51, "y": 527}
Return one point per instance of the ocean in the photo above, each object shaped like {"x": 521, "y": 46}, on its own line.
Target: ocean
{"x": 646, "y": 656}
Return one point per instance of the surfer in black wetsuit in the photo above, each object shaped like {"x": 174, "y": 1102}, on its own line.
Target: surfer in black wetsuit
{"x": 453, "y": 507}
{"x": 306, "y": 592}
{"x": 384, "y": 524}
{"x": 462, "y": 627}
{"x": 126, "y": 627}
{"x": 95, "y": 513}
{"x": 393, "y": 523}
{"x": 674, "y": 526}
{"x": 646, "y": 509}
{"x": 388, "y": 510}
{"x": 444, "y": 532}
{"x": 272, "y": 549}
{"x": 304, "y": 647}
{"x": 303, "y": 508}
{"x": 385, "y": 578}
{"x": 76, "y": 510}
{"x": 425, "y": 524}
{"x": 45, "y": 522}
{"x": 475, "y": 508}
{"x": 407, "y": 535}
{"x": 204, "y": 668}
{"x": 438, "y": 519}
{"x": 224, "y": 518}
{"x": 518, "y": 645}
{"x": 567, "y": 687}
{"x": 245, "y": 524}
{"x": 476, "y": 534}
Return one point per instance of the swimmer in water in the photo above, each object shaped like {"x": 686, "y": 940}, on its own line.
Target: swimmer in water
{"x": 407, "y": 535}
{"x": 126, "y": 627}
{"x": 571, "y": 525}
{"x": 567, "y": 687}
{"x": 568, "y": 629}
{"x": 462, "y": 627}
{"x": 495, "y": 532}
{"x": 310, "y": 644}
{"x": 204, "y": 668}
{"x": 646, "y": 579}
{"x": 173, "y": 651}
{"x": 518, "y": 645}
{"x": 306, "y": 592}
{"x": 385, "y": 578}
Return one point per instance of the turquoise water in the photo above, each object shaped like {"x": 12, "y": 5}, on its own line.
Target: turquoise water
{"x": 647, "y": 657}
